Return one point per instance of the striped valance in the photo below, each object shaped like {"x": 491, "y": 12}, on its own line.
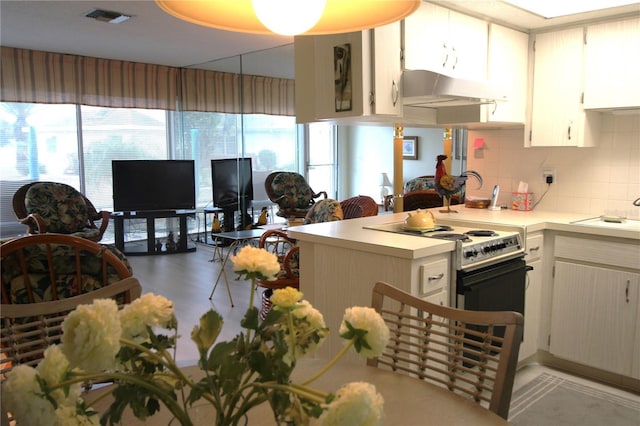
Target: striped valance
{"x": 44, "y": 77}
{"x": 232, "y": 93}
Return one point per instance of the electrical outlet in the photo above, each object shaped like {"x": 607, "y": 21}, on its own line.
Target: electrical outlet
{"x": 549, "y": 176}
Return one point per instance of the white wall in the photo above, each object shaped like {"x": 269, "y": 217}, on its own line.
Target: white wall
{"x": 601, "y": 180}
{"x": 367, "y": 151}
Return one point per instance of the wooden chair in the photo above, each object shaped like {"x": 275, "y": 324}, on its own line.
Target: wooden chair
{"x": 45, "y": 267}
{"x": 291, "y": 192}
{"x": 359, "y": 206}
{"x": 471, "y": 353}
{"x": 288, "y": 253}
{"x": 39, "y": 206}
{"x": 28, "y": 329}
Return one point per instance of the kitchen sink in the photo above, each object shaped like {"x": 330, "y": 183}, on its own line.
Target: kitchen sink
{"x": 610, "y": 222}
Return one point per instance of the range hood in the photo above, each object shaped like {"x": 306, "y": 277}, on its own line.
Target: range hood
{"x": 428, "y": 89}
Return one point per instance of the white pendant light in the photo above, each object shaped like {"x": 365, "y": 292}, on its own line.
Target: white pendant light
{"x": 289, "y": 17}
{"x": 338, "y": 16}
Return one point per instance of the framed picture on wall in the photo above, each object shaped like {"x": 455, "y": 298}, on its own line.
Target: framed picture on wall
{"x": 410, "y": 148}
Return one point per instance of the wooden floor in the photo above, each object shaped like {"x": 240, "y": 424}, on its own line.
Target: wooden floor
{"x": 187, "y": 279}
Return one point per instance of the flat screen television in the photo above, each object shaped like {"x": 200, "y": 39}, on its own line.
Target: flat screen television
{"x": 145, "y": 185}
{"x": 230, "y": 177}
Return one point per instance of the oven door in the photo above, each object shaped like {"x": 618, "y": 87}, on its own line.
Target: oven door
{"x": 498, "y": 287}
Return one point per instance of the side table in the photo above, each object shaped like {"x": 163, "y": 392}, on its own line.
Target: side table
{"x": 237, "y": 238}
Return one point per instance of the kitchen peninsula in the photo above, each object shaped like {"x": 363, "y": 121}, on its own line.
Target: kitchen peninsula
{"x": 341, "y": 261}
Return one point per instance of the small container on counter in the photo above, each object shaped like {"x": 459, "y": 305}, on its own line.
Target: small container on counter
{"x": 522, "y": 201}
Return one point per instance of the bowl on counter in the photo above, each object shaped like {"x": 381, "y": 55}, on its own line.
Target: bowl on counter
{"x": 477, "y": 203}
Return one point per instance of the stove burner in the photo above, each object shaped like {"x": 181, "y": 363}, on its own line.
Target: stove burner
{"x": 481, "y": 233}
{"x": 454, "y": 237}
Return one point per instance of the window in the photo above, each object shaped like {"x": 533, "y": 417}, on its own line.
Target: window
{"x": 45, "y": 142}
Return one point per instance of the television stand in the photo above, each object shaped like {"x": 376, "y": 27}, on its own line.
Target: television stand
{"x": 153, "y": 244}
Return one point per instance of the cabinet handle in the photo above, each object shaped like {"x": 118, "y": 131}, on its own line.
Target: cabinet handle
{"x": 446, "y": 55}
{"x": 536, "y": 248}
{"x": 394, "y": 92}
{"x": 455, "y": 56}
{"x": 569, "y": 132}
{"x": 495, "y": 106}
{"x": 435, "y": 277}
{"x": 626, "y": 291}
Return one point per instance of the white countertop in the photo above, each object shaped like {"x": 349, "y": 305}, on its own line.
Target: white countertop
{"x": 352, "y": 234}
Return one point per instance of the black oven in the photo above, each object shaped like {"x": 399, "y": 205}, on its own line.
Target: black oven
{"x": 497, "y": 287}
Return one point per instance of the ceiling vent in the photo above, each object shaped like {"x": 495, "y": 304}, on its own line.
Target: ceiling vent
{"x": 107, "y": 16}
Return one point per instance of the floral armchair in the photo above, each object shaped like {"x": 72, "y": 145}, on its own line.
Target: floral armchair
{"x": 45, "y": 267}
{"x": 52, "y": 207}
{"x": 324, "y": 211}
{"x": 291, "y": 192}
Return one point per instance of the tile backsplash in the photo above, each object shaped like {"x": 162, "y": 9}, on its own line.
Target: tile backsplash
{"x": 604, "y": 179}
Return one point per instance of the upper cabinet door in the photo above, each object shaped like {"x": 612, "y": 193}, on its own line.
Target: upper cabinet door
{"x": 508, "y": 66}
{"x": 557, "y": 117}
{"x": 444, "y": 41}
{"x": 386, "y": 70}
{"x": 612, "y": 65}
{"x": 347, "y": 77}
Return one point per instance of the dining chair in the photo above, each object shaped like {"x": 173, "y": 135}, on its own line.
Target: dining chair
{"x": 288, "y": 253}
{"x": 28, "y": 329}
{"x": 470, "y": 353}
{"x": 58, "y": 208}
{"x": 45, "y": 267}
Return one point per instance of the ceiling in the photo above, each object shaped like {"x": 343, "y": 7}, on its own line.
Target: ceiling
{"x": 152, "y": 36}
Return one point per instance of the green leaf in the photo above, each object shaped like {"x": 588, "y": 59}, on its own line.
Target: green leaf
{"x": 251, "y": 319}
{"x": 207, "y": 332}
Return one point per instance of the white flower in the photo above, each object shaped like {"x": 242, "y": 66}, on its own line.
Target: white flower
{"x": 91, "y": 335}
{"x": 22, "y": 396}
{"x": 355, "y": 404}
{"x": 148, "y": 310}
{"x": 68, "y": 415}
{"x": 285, "y": 297}
{"x": 53, "y": 369}
{"x": 256, "y": 263}
{"x": 304, "y": 310}
{"x": 367, "y": 327}
{"x": 309, "y": 328}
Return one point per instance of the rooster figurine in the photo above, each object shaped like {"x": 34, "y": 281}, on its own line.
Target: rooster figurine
{"x": 447, "y": 185}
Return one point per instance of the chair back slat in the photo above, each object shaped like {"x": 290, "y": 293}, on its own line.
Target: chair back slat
{"x": 28, "y": 329}
{"x": 470, "y": 353}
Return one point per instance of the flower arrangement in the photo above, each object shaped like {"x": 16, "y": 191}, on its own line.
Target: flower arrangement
{"x": 100, "y": 341}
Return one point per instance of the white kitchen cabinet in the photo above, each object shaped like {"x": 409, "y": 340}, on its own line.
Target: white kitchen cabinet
{"x": 595, "y": 303}
{"x": 352, "y": 75}
{"x": 533, "y": 296}
{"x": 508, "y": 59}
{"x": 594, "y": 316}
{"x": 557, "y": 114}
{"x": 445, "y": 41}
{"x": 508, "y": 63}
{"x": 612, "y": 65}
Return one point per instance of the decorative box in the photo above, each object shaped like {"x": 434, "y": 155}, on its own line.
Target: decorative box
{"x": 522, "y": 201}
